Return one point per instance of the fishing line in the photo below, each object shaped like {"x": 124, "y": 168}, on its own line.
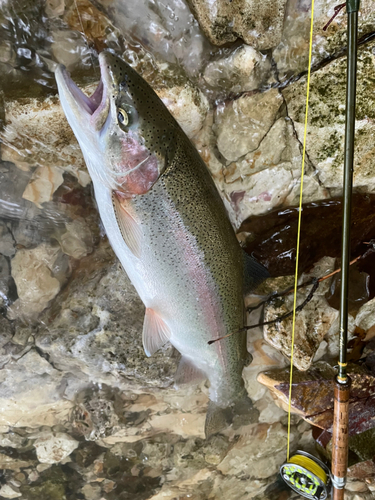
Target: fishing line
{"x": 299, "y": 226}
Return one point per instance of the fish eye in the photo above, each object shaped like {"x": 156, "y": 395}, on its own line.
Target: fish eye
{"x": 122, "y": 117}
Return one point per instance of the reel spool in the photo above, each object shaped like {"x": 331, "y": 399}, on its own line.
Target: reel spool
{"x": 307, "y": 475}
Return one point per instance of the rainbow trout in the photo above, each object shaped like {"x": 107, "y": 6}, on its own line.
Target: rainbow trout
{"x": 168, "y": 226}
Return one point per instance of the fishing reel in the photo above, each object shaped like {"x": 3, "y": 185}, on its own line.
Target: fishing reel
{"x": 307, "y": 475}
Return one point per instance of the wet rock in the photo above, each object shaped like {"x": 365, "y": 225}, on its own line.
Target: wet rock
{"x": 272, "y": 237}
{"x": 55, "y": 8}
{"x": 241, "y": 70}
{"x": 43, "y": 184}
{"x": 312, "y": 395}
{"x": 365, "y": 318}
{"x": 53, "y": 448}
{"x": 187, "y": 104}
{"x": 4, "y": 279}
{"x": 242, "y": 124}
{"x": 6, "y": 241}
{"x": 327, "y": 118}
{"x": 170, "y": 33}
{"x": 259, "y": 25}
{"x": 9, "y": 491}
{"x": 264, "y": 444}
{"x": 291, "y": 55}
{"x": 70, "y": 49}
{"x": 356, "y": 486}
{"x": 312, "y": 324}
{"x": 247, "y": 179}
{"x": 89, "y": 332}
{"x": 39, "y": 134}
{"x": 77, "y": 241}
{"x": 362, "y": 470}
{"x": 23, "y": 403}
{"x": 94, "y": 415}
{"x": 25, "y": 234}
{"x": 32, "y": 272}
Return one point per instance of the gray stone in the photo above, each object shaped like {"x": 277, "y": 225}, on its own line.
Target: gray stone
{"x": 53, "y": 448}
{"x": 258, "y": 24}
{"x": 326, "y": 125}
{"x": 242, "y": 124}
{"x": 32, "y": 273}
{"x": 243, "y": 69}
{"x": 6, "y": 241}
{"x": 312, "y": 324}
{"x": 291, "y": 55}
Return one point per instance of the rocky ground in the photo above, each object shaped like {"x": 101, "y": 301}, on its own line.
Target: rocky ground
{"x": 84, "y": 413}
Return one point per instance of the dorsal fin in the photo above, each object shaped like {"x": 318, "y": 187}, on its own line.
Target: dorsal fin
{"x": 255, "y": 273}
{"x": 155, "y": 332}
{"x": 130, "y": 229}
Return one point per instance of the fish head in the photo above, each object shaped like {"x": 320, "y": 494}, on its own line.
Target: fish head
{"x": 126, "y": 134}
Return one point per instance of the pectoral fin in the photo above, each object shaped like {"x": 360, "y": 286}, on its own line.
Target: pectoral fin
{"x": 255, "y": 273}
{"x": 129, "y": 227}
{"x": 155, "y": 332}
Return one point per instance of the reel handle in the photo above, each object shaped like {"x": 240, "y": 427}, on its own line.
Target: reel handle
{"x": 340, "y": 438}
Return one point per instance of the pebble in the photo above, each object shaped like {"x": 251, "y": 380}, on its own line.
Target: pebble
{"x": 53, "y": 449}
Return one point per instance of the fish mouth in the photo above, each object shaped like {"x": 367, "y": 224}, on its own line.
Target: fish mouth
{"x": 95, "y": 105}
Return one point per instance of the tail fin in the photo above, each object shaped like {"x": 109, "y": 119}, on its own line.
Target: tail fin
{"x": 241, "y": 412}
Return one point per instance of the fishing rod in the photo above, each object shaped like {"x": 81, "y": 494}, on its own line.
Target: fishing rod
{"x": 303, "y": 472}
{"x": 340, "y": 438}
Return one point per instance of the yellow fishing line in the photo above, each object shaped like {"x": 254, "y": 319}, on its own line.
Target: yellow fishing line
{"x": 310, "y": 465}
{"x": 299, "y": 224}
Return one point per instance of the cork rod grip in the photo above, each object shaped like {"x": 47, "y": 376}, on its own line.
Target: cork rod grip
{"x": 340, "y": 437}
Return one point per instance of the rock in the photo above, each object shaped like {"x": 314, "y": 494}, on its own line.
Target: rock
{"x": 242, "y": 124}
{"x": 271, "y": 238}
{"x": 356, "y": 486}
{"x": 43, "y": 184}
{"x": 77, "y": 241}
{"x": 259, "y": 25}
{"x": 365, "y": 318}
{"x": 53, "y": 448}
{"x": 311, "y": 324}
{"x": 305, "y": 398}
{"x": 291, "y": 55}
{"x": 55, "y": 8}
{"x": 8, "y": 491}
{"x": 89, "y": 333}
{"x": 258, "y": 453}
{"x": 40, "y": 135}
{"x": 4, "y": 279}
{"x": 6, "y": 242}
{"x": 247, "y": 179}
{"x": 32, "y": 273}
{"x": 362, "y": 470}
{"x": 91, "y": 492}
{"x": 187, "y": 104}
{"x": 70, "y": 49}
{"x": 242, "y": 70}
{"x": 312, "y": 395}
{"x": 170, "y": 33}
{"x": 327, "y": 121}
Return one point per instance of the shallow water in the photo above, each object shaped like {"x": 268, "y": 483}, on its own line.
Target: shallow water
{"x": 84, "y": 414}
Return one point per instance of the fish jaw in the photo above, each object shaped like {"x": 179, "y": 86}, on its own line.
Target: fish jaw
{"x": 126, "y": 134}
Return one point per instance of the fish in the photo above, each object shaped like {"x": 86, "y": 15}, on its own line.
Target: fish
{"x": 168, "y": 226}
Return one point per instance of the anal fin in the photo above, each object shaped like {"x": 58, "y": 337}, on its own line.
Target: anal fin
{"x": 155, "y": 332}
{"x": 187, "y": 372}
